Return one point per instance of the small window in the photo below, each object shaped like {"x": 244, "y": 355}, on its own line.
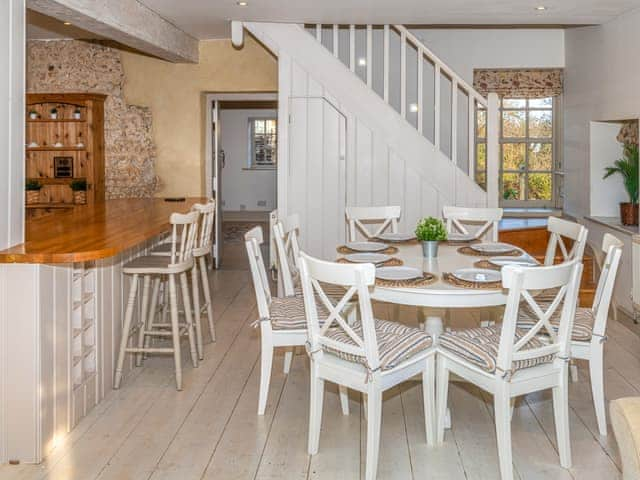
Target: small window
{"x": 263, "y": 145}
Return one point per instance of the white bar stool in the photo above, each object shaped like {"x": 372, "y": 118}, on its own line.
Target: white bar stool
{"x": 180, "y": 261}
{"x": 202, "y": 249}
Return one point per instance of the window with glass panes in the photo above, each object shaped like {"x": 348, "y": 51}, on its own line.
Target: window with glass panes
{"x": 263, "y": 137}
{"x": 526, "y": 151}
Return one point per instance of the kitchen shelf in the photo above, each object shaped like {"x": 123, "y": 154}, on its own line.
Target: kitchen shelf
{"x": 56, "y": 120}
{"x": 56, "y": 149}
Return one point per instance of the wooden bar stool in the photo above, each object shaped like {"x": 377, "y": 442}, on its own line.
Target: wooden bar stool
{"x": 202, "y": 249}
{"x": 180, "y": 261}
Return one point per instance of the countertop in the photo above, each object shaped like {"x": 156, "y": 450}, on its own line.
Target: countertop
{"x": 94, "y": 232}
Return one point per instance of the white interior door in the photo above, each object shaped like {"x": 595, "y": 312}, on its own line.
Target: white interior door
{"x": 218, "y": 164}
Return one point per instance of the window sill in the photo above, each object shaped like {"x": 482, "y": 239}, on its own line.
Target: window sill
{"x": 253, "y": 169}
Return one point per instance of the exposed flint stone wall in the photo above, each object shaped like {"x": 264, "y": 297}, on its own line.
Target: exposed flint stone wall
{"x": 58, "y": 66}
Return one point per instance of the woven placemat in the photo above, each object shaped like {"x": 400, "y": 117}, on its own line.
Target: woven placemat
{"x": 426, "y": 279}
{"x": 486, "y": 264}
{"x": 470, "y": 251}
{"x": 451, "y": 280}
{"x": 344, "y": 250}
{"x": 392, "y": 262}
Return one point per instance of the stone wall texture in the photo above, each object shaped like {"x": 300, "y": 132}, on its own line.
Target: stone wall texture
{"x": 60, "y": 66}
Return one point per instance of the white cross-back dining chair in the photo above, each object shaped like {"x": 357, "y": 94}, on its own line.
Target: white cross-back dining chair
{"x": 286, "y": 233}
{"x": 589, "y": 328}
{"x": 369, "y": 355}
{"x": 486, "y": 220}
{"x": 282, "y": 320}
{"x": 508, "y": 362}
{"x": 359, "y": 217}
{"x": 560, "y": 229}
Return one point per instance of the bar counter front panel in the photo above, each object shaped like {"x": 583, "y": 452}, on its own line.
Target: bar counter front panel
{"x": 63, "y": 305}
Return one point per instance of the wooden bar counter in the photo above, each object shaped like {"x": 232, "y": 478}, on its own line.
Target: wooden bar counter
{"x": 62, "y": 302}
{"x": 94, "y": 232}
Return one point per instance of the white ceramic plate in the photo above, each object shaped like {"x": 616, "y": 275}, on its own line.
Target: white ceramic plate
{"x": 524, "y": 261}
{"x": 367, "y": 257}
{"x": 480, "y": 275}
{"x": 491, "y": 247}
{"x": 366, "y": 246}
{"x": 398, "y": 273}
{"x": 396, "y": 237}
{"x": 460, "y": 237}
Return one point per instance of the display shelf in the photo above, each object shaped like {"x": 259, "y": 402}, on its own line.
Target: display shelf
{"x": 50, "y": 205}
{"x": 56, "y": 120}
{"x": 56, "y": 149}
{"x": 55, "y": 181}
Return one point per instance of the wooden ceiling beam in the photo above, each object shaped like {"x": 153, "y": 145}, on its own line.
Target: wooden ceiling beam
{"x": 127, "y": 22}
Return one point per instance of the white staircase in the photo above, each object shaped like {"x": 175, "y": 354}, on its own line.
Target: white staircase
{"x": 370, "y": 116}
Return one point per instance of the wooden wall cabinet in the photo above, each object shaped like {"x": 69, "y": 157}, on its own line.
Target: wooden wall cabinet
{"x": 72, "y": 138}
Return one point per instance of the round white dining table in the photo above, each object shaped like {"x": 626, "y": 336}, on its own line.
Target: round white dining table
{"x": 440, "y": 294}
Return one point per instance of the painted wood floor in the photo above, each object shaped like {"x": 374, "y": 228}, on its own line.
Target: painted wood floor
{"x": 148, "y": 430}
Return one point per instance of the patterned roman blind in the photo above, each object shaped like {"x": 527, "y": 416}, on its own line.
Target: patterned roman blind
{"x": 519, "y": 83}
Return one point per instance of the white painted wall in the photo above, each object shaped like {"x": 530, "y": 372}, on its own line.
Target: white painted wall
{"x": 601, "y": 83}
{"x": 12, "y": 90}
{"x": 239, "y": 185}
{"x": 605, "y": 195}
{"x": 466, "y": 49}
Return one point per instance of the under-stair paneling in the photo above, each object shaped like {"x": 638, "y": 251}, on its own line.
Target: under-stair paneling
{"x": 373, "y": 157}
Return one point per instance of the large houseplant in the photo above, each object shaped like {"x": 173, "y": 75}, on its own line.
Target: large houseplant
{"x": 430, "y": 231}
{"x": 627, "y": 166}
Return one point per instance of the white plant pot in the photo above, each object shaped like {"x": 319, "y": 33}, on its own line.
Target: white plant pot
{"x": 53, "y": 116}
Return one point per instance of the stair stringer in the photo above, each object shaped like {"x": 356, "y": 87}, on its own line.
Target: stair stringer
{"x": 378, "y": 158}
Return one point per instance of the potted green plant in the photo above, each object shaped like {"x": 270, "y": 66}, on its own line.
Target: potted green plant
{"x": 77, "y": 113}
{"x": 32, "y": 191}
{"x": 79, "y": 187}
{"x": 33, "y": 115}
{"x": 430, "y": 231}
{"x": 53, "y": 113}
{"x": 627, "y": 166}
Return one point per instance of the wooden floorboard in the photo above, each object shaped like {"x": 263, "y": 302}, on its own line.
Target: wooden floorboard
{"x": 148, "y": 430}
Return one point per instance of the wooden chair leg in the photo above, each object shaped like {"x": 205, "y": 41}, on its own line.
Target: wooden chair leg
{"x": 502, "y": 414}
{"x": 374, "y": 420}
{"x": 429, "y": 400}
{"x": 344, "y": 399}
{"x": 442, "y": 391}
{"x": 315, "y": 411}
{"x": 175, "y": 330}
{"x": 561, "y": 417}
{"x": 155, "y": 292}
{"x": 186, "y": 303}
{"x": 196, "y": 310}
{"x": 146, "y": 285}
{"x": 596, "y": 373}
{"x": 128, "y": 316}
{"x": 266, "y": 359}
{"x": 207, "y": 296}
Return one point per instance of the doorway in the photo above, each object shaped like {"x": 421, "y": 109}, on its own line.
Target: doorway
{"x": 241, "y": 169}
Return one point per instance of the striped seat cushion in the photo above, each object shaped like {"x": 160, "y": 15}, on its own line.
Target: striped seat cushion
{"x": 480, "y": 347}
{"x": 287, "y": 313}
{"x": 582, "y": 324}
{"x": 396, "y": 342}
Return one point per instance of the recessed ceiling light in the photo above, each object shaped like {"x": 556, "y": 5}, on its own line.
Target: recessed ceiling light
{"x": 67, "y": 23}
{"x": 362, "y": 61}
{"x": 541, "y": 8}
{"x": 242, "y": 4}
{"x": 413, "y": 107}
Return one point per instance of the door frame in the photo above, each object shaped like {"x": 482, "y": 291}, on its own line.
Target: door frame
{"x": 210, "y": 99}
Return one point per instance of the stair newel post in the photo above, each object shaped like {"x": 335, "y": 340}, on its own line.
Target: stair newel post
{"x": 493, "y": 149}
